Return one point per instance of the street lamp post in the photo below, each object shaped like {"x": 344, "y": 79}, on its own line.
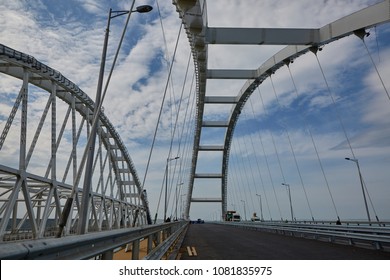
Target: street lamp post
{"x": 362, "y": 185}
{"x": 166, "y": 187}
{"x": 243, "y": 201}
{"x": 98, "y": 104}
{"x": 289, "y": 196}
{"x": 261, "y": 207}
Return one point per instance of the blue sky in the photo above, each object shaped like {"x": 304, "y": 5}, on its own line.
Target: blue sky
{"x": 68, "y": 36}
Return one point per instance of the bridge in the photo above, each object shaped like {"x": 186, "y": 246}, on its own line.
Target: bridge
{"x": 284, "y": 127}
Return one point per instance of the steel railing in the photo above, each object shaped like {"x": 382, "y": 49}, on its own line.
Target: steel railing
{"x": 361, "y": 234}
{"x": 98, "y": 245}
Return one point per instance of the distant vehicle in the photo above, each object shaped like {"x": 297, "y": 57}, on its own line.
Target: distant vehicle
{"x": 236, "y": 218}
{"x": 255, "y": 218}
{"x": 232, "y": 216}
{"x": 229, "y": 215}
{"x": 200, "y": 221}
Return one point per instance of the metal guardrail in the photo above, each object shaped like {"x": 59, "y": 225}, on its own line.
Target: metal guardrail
{"x": 93, "y": 245}
{"x": 174, "y": 242}
{"x": 369, "y": 236}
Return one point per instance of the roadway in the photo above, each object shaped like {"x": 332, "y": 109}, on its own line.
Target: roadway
{"x": 219, "y": 242}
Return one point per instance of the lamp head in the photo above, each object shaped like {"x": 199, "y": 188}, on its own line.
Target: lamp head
{"x": 351, "y": 159}
{"x": 144, "y": 9}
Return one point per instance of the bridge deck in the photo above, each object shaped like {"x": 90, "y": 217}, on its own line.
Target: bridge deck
{"x": 218, "y": 242}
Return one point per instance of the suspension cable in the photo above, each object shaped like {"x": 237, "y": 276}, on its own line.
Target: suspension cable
{"x": 190, "y": 135}
{"x": 161, "y": 108}
{"x": 176, "y": 121}
{"x": 273, "y": 141}
{"x": 181, "y": 136}
{"x": 245, "y": 170}
{"x": 315, "y": 50}
{"x": 241, "y": 175}
{"x": 313, "y": 142}
{"x": 266, "y": 159}
{"x": 258, "y": 165}
{"x": 184, "y": 137}
{"x": 234, "y": 188}
{"x": 292, "y": 149}
{"x": 361, "y": 34}
{"x": 254, "y": 154}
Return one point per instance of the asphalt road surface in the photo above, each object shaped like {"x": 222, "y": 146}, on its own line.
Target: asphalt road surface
{"x": 219, "y": 242}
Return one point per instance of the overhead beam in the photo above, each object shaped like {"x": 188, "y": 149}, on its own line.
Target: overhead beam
{"x": 220, "y": 99}
{"x": 231, "y": 74}
{"x": 211, "y": 148}
{"x": 206, "y": 200}
{"x": 262, "y": 36}
{"x": 208, "y": 175}
{"x": 365, "y": 18}
{"x": 215, "y": 124}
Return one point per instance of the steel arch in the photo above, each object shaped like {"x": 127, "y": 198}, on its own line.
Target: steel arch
{"x": 299, "y": 41}
{"x": 117, "y": 198}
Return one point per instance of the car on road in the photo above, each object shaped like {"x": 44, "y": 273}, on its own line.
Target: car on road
{"x": 255, "y": 218}
{"x": 236, "y": 218}
{"x": 198, "y": 221}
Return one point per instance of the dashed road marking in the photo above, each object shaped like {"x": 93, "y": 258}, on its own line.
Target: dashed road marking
{"x": 191, "y": 251}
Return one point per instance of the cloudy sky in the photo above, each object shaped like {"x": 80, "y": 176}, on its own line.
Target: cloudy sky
{"x": 299, "y": 137}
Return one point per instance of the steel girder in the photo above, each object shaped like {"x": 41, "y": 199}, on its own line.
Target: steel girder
{"x": 33, "y": 194}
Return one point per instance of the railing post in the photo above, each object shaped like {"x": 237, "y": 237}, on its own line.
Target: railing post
{"x": 150, "y": 243}
{"x": 163, "y": 234}
{"x": 158, "y": 237}
{"x": 135, "y": 251}
{"x": 108, "y": 255}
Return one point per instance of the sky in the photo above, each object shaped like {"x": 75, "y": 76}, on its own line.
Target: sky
{"x": 272, "y": 143}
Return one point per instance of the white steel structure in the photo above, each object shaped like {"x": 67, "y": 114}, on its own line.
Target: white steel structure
{"x": 33, "y": 194}
{"x": 298, "y": 42}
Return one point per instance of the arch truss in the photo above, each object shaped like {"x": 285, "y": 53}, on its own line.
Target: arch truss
{"x": 297, "y": 41}
{"x": 44, "y": 171}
